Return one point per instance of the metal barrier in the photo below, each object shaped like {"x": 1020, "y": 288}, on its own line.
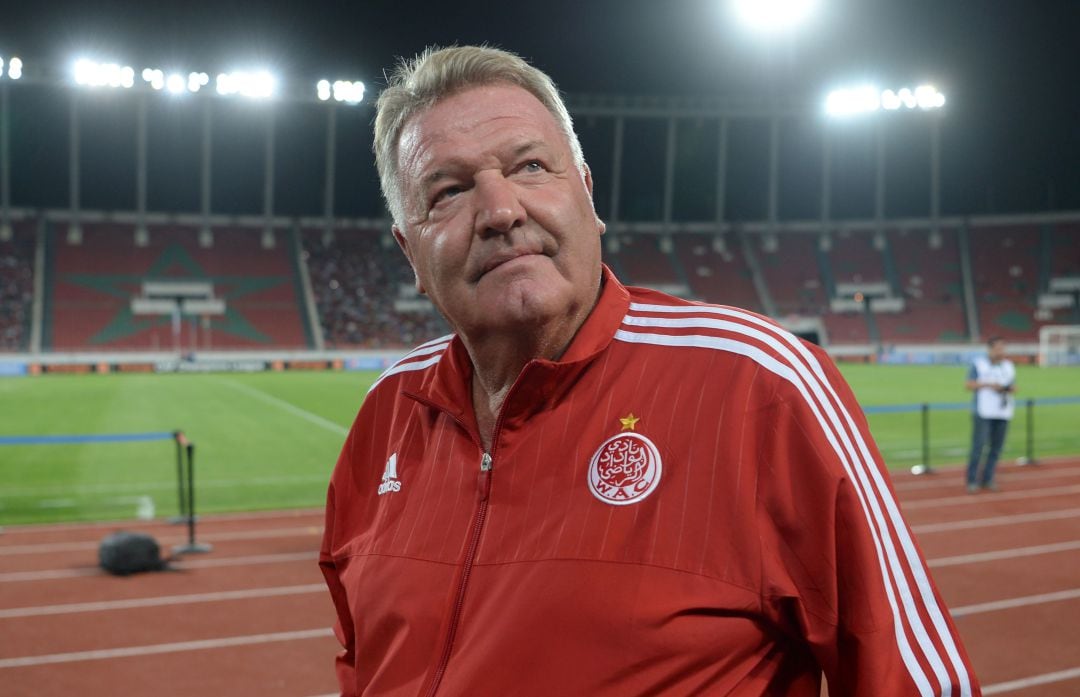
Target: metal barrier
{"x": 926, "y": 407}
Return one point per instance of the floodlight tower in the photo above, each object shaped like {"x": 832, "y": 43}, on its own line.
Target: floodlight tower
{"x": 772, "y": 21}
{"x": 349, "y": 92}
{"x": 10, "y": 70}
{"x": 869, "y": 101}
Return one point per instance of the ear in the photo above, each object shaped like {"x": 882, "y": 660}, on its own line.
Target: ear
{"x": 403, "y": 242}
{"x": 586, "y": 174}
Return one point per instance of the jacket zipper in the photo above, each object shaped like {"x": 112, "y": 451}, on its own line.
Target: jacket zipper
{"x": 484, "y": 489}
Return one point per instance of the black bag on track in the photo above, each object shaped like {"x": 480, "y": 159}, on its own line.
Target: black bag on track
{"x": 123, "y": 553}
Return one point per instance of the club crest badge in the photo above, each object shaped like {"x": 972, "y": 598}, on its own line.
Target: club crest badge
{"x": 624, "y": 469}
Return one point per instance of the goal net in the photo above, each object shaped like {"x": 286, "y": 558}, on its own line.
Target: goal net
{"x": 1059, "y": 345}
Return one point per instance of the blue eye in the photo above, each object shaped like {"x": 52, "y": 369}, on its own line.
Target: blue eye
{"x": 448, "y": 192}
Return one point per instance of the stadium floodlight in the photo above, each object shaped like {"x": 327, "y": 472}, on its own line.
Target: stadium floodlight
{"x": 256, "y": 85}
{"x": 175, "y": 83}
{"x": 196, "y": 81}
{"x": 347, "y": 91}
{"x": 15, "y": 68}
{"x": 773, "y": 16}
{"x": 93, "y": 74}
{"x": 155, "y": 77}
{"x": 866, "y": 99}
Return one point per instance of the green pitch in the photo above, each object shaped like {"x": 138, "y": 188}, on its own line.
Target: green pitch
{"x": 270, "y": 440}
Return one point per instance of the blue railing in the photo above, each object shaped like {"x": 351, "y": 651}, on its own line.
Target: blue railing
{"x": 926, "y": 407}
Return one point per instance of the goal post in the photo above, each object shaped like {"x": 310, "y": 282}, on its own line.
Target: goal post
{"x": 1059, "y": 345}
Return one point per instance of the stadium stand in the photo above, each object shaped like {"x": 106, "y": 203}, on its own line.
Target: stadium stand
{"x": 854, "y": 259}
{"x": 17, "y": 286}
{"x": 92, "y": 284}
{"x": 847, "y": 328}
{"x": 643, "y": 262}
{"x": 792, "y": 274}
{"x": 364, "y": 292}
{"x": 717, "y": 276}
{"x": 1064, "y": 249}
{"x": 931, "y": 283}
{"x": 1005, "y": 269}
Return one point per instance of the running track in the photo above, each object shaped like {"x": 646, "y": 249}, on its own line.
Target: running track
{"x": 252, "y": 617}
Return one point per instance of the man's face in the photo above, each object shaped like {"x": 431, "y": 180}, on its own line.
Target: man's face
{"x": 997, "y": 351}
{"x": 499, "y": 223}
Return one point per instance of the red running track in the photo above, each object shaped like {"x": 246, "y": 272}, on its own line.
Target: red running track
{"x": 252, "y": 617}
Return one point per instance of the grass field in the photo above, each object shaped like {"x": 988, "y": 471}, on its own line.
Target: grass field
{"x": 269, "y": 440}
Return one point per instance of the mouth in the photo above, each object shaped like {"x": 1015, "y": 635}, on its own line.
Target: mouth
{"x": 502, "y": 258}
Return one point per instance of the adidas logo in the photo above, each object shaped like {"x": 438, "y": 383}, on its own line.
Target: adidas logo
{"x": 390, "y": 481}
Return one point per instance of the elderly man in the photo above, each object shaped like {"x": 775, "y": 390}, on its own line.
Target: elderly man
{"x": 590, "y": 489}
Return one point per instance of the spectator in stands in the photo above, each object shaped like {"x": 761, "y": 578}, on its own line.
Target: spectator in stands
{"x": 993, "y": 380}
{"x": 592, "y": 489}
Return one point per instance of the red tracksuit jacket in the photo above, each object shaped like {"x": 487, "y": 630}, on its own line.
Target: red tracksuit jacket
{"x": 688, "y": 502}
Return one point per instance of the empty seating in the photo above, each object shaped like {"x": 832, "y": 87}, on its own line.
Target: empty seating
{"x": 643, "y": 263}
{"x": 720, "y": 277}
{"x": 792, "y": 274}
{"x": 853, "y": 258}
{"x": 1005, "y": 269}
{"x": 931, "y": 281}
{"x": 847, "y": 328}
{"x": 93, "y": 283}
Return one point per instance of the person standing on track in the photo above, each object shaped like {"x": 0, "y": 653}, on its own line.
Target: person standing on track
{"x": 993, "y": 380}
{"x": 591, "y": 489}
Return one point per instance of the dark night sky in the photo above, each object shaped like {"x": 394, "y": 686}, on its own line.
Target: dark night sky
{"x": 1011, "y": 135}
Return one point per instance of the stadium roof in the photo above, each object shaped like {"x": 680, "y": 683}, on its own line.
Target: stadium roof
{"x": 1007, "y": 67}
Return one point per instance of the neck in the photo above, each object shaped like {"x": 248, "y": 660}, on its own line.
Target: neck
{"x": 498, "y": 360}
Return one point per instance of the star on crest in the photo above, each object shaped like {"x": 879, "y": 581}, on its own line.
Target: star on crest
{"x": 629, "y": 422}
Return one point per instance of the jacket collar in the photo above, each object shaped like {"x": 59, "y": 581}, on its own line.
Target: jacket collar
{"x": 448, "y": 386}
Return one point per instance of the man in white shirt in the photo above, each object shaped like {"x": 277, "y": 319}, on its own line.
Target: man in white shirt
{"x": 992, "y": 378}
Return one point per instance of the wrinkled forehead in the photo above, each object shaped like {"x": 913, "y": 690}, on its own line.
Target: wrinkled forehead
{"x": 476, "y": 116}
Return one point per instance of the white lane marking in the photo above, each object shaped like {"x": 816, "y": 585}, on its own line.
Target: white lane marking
{"x": 129, "y": 603}
{"x": 955, "y": 480}
{"x": 128, "y": 651}
{"x": 49, "y": 574}
{"x": 967, "y": 499}
{"x": 161, "y": 485}
{"x": 1013, "y": 553}
{"x": 287, "y": 406}
{"x": 33, "y": 528}
{"x": 1022, "y": 683}
{"x": 46, "y": 575}
{"x": 1010, "y": 603}
{"x": 995, "y": 520}
{"x": 165, "y": 541}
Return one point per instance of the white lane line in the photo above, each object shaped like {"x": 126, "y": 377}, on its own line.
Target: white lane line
{"x": 1018, "y": 474}
{"x": 1011, "y": 603}
{"x": 50, "y": 574}
{"x": 996, "y": 520}
{"x": 47, "y": 575}
{"x": 244, "y": 561}
{"x": 1023, "y": 683}
{"x": 174, "y": 647}
{"x": 287, "y": 406}
{"x": 129, "y": 603}
{"x": 165, "y": 541}
{"x": 968, "y": 499}
{"x": 996, "y": 555}
{"x": 116, "y": 488}
{"x": 208, "y": 518}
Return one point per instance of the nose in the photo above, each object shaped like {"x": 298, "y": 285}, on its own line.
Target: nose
{"x": 499, "y": 210}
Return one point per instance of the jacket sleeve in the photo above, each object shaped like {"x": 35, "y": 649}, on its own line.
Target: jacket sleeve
{"x": 848, "y": 575}
{"x": 345, "y": 661}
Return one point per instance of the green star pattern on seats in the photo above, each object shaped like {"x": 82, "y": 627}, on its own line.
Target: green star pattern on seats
{"x": 175, "y": 258}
